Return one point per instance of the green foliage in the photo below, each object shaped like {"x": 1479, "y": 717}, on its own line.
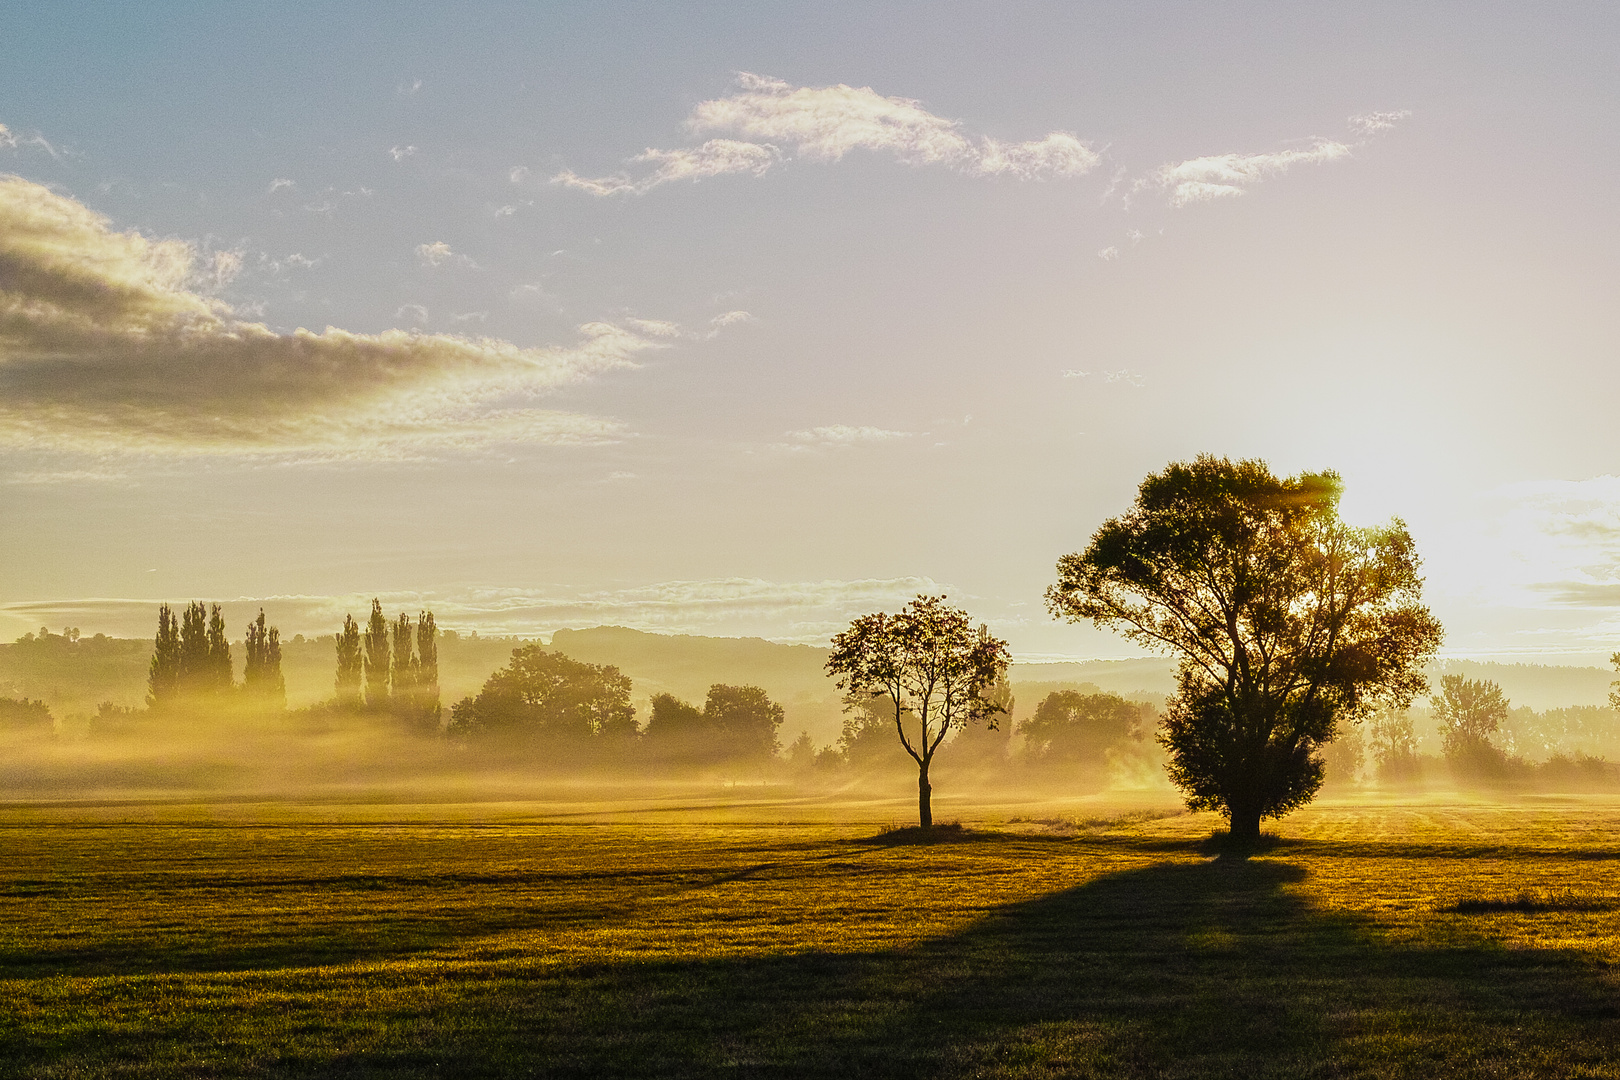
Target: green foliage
{"x": 545, "y": 699}
{"x": 1284, "y": 620}
{"x": 934, "y": 669}
{"x": 1074, "y": 731}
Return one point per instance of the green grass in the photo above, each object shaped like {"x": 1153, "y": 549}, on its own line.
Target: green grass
{"x": 250, "y": 941}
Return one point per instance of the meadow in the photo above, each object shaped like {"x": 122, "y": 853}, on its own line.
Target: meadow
{"x": 704, "y": 936}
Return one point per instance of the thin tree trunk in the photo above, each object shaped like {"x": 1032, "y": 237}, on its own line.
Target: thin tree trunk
{"x": 925, "y": 793}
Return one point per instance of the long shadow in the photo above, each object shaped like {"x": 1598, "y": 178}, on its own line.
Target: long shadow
{"x": 1177, "y": 970}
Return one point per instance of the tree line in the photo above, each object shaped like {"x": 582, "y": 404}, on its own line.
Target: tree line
{"x": 191, "y": 662}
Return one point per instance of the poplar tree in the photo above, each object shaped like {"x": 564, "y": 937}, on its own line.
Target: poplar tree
{"x": 404, "y": 666}
{"x": 163, "y": 680}
{"x": 218, "y": 679}
{"x": 193, "y": 674}
{"x": 377, "y": 658}
{"x": 349, "y": 663}
{"x": 261, "y": 679}
{"x": 427, "y": 669}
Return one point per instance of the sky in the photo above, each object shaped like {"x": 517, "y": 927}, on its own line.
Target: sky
{"x": 745, "y": 320}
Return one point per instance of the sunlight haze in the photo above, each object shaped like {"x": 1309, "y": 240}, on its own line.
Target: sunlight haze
{"x": 700, "y": 319}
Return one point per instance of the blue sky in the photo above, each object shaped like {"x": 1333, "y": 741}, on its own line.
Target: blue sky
{"x": 928, "y": 290}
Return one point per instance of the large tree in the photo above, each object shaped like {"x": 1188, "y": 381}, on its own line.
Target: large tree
{"x": 1285, "y": 620}
{"x": 548, "y": 701}
{"x": 934, "y": 669}
{"x": 1469, "y": 713}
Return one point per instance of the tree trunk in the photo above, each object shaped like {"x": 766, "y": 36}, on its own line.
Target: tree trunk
{"x": 925, "y": 793}
{"x": 1245, "y": 824}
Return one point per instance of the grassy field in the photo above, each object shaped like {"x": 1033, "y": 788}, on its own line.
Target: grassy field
{"x": 254, "y": 940}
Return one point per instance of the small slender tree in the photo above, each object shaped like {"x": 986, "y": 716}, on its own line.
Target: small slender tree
{"x": 163, "y": 678}
{"x": 262, "y": 680}
{"x": 934, "y": 668}
{"x": 1614, "y": 687}
{"x": 377, "y": 658}
{"x": 350, "y": 664}
{"x": 427, "y": 670}
{"x": 195, "y": 674}
{"x": 404, "y": 668}
{"x": 219, "y": 678}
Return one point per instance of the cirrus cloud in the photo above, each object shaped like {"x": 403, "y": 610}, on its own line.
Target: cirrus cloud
{"x": 108, "y": 343}
{"x": 823, "y": 123}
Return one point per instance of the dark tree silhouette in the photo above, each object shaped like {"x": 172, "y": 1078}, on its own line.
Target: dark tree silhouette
{"x": 1285, "y": 620}
{"x": 195, "y": 675}
{"x": 262, "y": 680}
{"x": 547, "y": 700}
{"x": 404, "y": 668}
{"x": 1074, "y": 731}
{"x": 350, "y": 664}
{"x": 377, "y": 664}
{"x": 427, "y": 671}
{"x": 932, "y": 665}
{"x": 163, "y": 678}
{"x": 744, "y": 721}
{"x": 219, "y": 678}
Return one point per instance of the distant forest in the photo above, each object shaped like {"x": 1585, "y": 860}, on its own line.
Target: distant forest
{"x": 611, "y": 697}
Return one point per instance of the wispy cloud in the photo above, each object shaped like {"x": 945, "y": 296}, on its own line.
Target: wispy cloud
{"x": 1376, "y": 123}
{"x": 107, "y": 345}
{"x": 1219, "y": 176}
{"x": 400, "y": 153}
{"x": 843, "y": 435}
{"x": 280, "y": 182}
{"x": 10, "y": 140}
{"x": 777, "y": 120}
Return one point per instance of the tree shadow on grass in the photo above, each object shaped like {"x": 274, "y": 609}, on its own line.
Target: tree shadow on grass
{"x": 1177, "y": 970}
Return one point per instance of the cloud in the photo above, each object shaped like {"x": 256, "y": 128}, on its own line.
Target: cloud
{"x": 1124, "y": 375}
{"x": 400, "y": 153}
{"x": 106, "y": 345}
{"x": 805, "y": 612}
{"x": 1075, "y": 373}
{"x": 1220, "y": 176}
{"x": 841, "y": 436}
{"x": 823, "y": 124}
{"x": 1109, "y": 253}
{"x": 10, "y": 140}
{"x": 281, "y": 182}
{"x": 1376, "y": 123}
{"x": 714, "y": 158}
{"x": 517, "y": 173}
{"x": 438, "y": 253}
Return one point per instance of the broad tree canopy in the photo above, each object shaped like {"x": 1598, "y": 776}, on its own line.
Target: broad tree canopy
{"x": 1284, "y": 619}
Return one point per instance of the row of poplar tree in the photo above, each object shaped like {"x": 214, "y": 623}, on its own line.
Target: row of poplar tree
{"x": 191, "y": 661}
{"x": 392, "y": 667}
